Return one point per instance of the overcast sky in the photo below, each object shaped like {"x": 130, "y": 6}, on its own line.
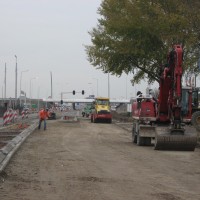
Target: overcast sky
{"x": 49, "y": 36}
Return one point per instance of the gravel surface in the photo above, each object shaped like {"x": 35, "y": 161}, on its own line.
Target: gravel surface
{"x": 83, "y": 160}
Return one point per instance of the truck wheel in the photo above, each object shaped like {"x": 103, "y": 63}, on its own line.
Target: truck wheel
{"x": 134, "y": 135}
{"x": 147, "y": 141}
{"x": 140, "y": 140}
{"x": 196, "y": 120}
{"x": 109, "y": 121}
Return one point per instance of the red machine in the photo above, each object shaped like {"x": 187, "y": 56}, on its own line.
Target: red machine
{"x": 161, "y": 119}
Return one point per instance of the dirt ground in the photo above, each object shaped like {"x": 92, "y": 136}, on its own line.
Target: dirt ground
{"x": 87, "y": 161}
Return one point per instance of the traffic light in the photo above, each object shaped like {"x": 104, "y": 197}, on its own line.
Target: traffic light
{"x": 61, "y": 102}
{"x": 74, "y": 92}
{"x": 83, "y": 92}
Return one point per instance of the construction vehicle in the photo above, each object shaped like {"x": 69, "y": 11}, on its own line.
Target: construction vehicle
{"x": 161, "y": 121}
{"x": 195, "y": 108}
{"x": 51, "y": 115}
{"x": 87, "y": 110}
{"x": 191, "y": 114}
{"x": 101, "y": 110}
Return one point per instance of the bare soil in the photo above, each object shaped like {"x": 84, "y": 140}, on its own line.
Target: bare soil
{"x": 83, "y": 161}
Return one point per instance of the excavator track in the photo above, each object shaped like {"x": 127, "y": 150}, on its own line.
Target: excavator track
{"x": 178, "y": 140}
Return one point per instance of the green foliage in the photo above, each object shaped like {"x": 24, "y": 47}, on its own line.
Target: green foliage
{"x": 136, "y": 35}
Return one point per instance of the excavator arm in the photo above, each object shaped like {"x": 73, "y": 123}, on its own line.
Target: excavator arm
{"x": 171, "y": 134}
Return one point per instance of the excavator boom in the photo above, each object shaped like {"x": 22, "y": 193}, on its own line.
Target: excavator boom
{"x": 171, "y": 134}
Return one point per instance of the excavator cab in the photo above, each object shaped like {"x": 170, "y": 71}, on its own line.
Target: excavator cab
{"x": 186, "y": 103}
{"x": 195, "y": 99}
{"x": 195, "y": 119}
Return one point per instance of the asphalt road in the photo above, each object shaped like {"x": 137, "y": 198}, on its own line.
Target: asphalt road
{"x": 83, "y": 161}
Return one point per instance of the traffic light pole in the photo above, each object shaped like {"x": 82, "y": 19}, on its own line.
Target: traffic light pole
{"x": 73, "y": 92}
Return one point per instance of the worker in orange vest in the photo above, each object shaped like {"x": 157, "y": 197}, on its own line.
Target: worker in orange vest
{"x": 43, "y": 115}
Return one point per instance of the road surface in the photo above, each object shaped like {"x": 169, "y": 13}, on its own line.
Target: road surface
{"x": 83, "y": 161}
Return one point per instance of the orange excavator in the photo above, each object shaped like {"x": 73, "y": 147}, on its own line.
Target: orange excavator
{"x": 161, "y": 121}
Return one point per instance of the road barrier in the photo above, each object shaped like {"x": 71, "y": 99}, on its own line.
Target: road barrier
{"x": 24, "y": 114}
{"x": 70, "y": 115}
{"x": 9, "y": 116}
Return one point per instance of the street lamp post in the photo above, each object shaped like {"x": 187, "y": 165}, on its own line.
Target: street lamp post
{"x": 97, "y": 86}
{"x": 126, "y": 86}
{"x": 91, "y": 88}
{"x": 21, "y": 85}
{"x": 16, "y": 82}
{"x": 38, "y": 98}
{"x": 108, "y": 85}
{"x": 5, "y": 83}
{"x": 30, "y": 90}
{"x": 51, "y": 85}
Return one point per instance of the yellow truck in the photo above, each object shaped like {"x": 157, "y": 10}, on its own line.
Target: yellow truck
{"x": 101, "y": 110}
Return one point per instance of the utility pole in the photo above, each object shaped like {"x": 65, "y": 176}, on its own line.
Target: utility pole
{"x": 126, "y": 86}
{"x": 2, "y": 95}
{"x": 38, "y": 98}
{"x": 16, "y": 82}
{"x": 108, "y": 86}
{"x": 51, "y": 85}
{"x": 97, "y": 87}
{"x": 21, "y": 86}
{"x": 5, "y": 83}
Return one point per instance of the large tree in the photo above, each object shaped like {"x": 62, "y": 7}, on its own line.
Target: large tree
{"x": 135, "y": 36}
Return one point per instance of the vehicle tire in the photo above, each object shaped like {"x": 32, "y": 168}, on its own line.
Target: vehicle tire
{"x": 134, "y": 134}
{"x": 109, "y": 121}
{"x": 147, "y": 141}
{"x": 196, "y": 120}
{"x": 140, "y": 140}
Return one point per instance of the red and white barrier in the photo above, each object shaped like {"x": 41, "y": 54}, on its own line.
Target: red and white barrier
{"x": 5, "y": 117}
{"x": 24, "y": 114}
{"x": 15, "y": 115}
{"x": 9, "y": 116}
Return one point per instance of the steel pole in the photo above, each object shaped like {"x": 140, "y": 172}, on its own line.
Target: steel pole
{"x": 30, "y": 93}
{"x": 51, "y": 85}
{"x": 16, "y": 82}
{"x": 97, "y": 86}
{"x": 38, "y": 99}
{"x": 108, "y": 86}
{"x": 126, "y": 86}
{"x": 5, "y": 83}
{"x": 20, "y": 89}
{"x": 21, "y": 85}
